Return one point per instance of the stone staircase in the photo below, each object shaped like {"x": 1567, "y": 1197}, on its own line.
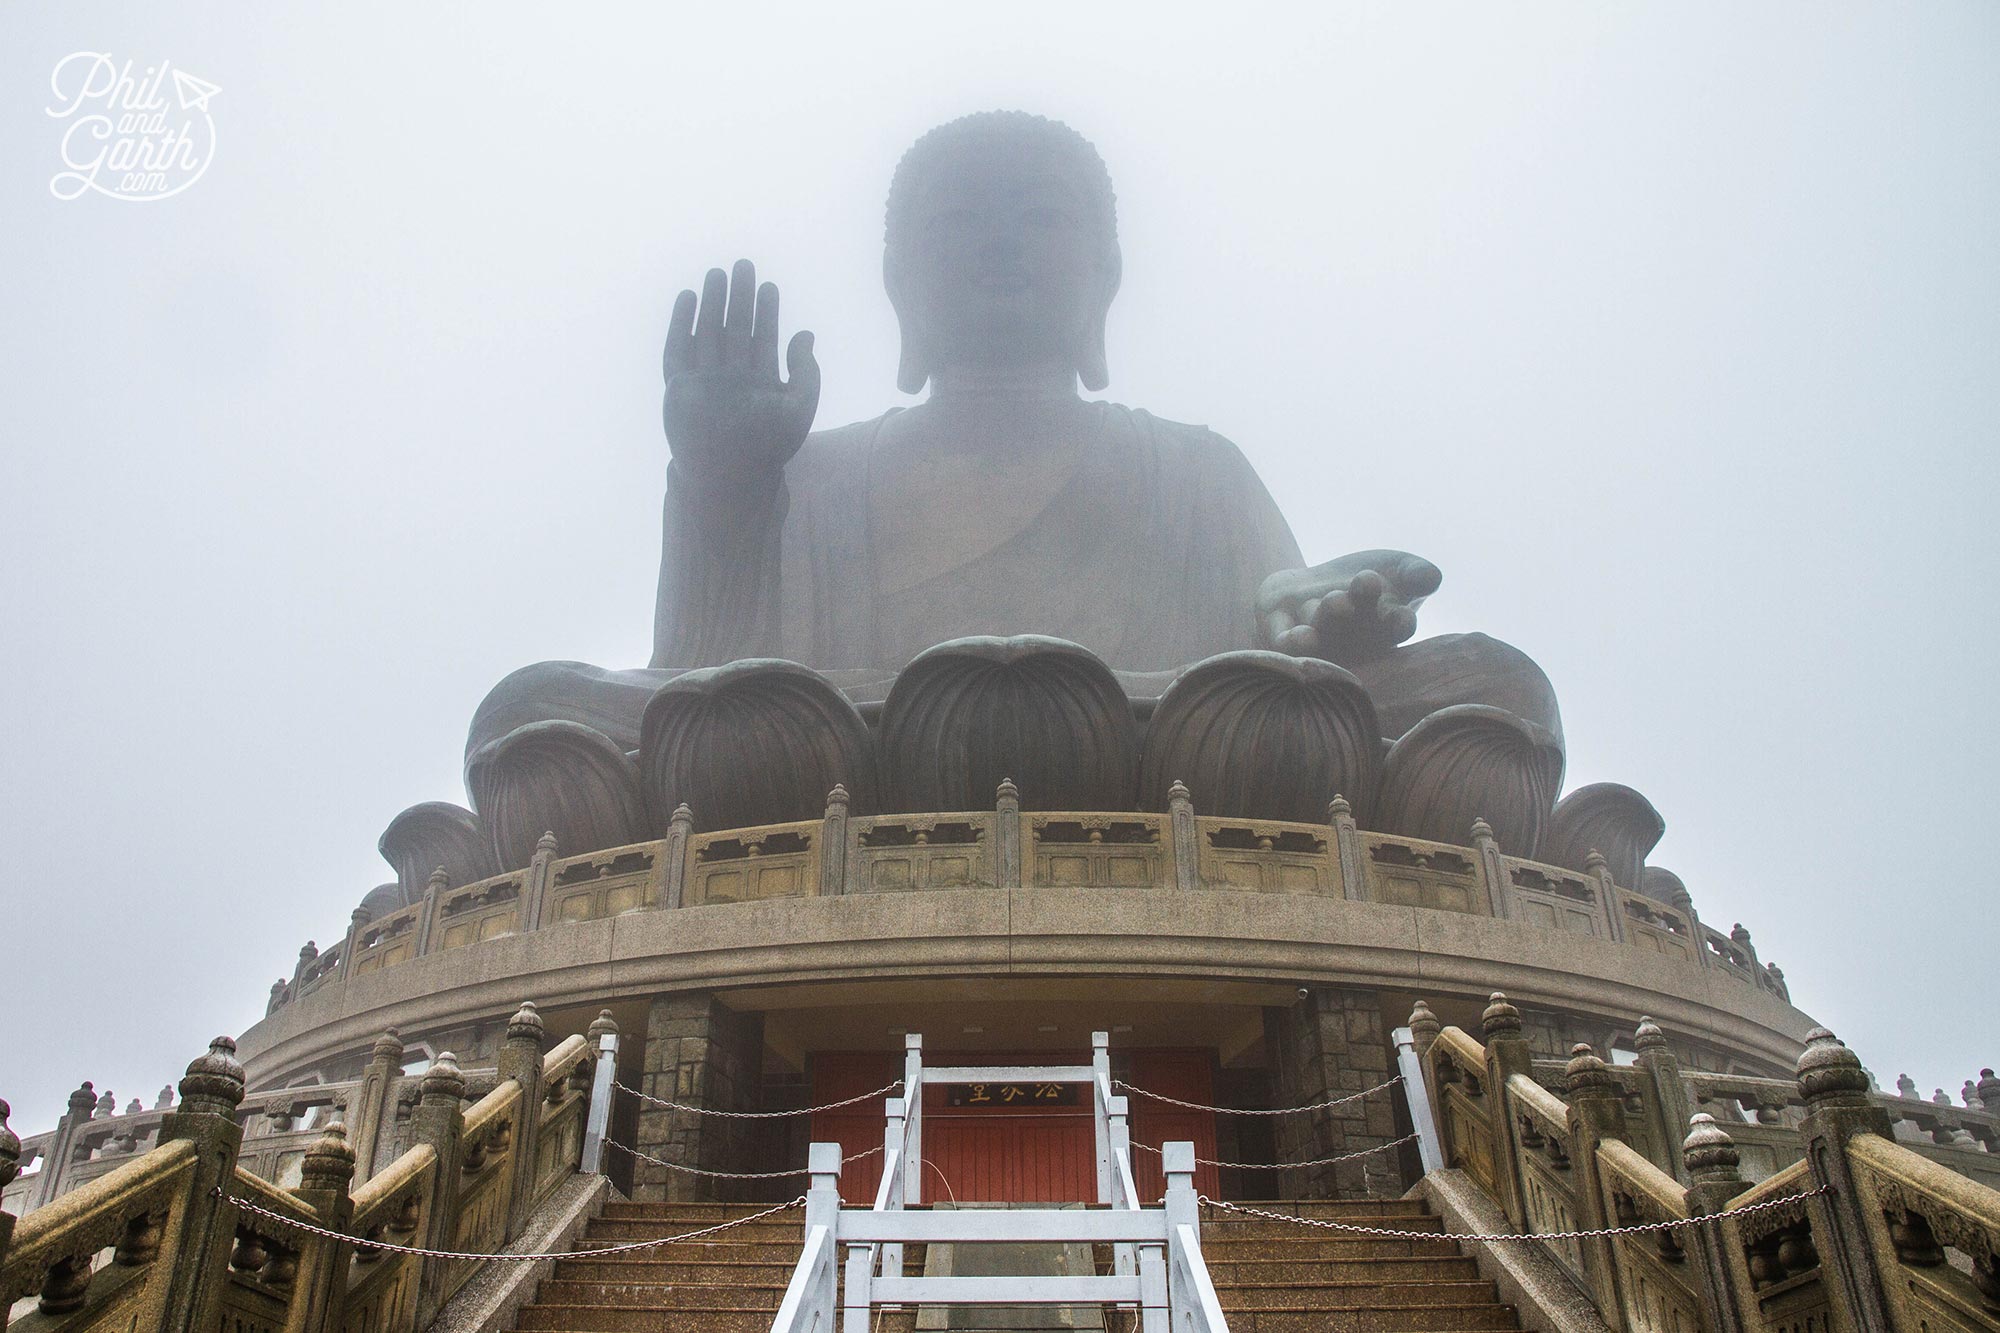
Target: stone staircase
{"x": 1272, "y": 1277}
{"x": 1277, "y": 1277}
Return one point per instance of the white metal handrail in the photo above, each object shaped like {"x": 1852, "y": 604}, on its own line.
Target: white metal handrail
{"x": 1158, "y": 1265}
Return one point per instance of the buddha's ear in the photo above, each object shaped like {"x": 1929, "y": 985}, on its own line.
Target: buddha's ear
{"x": 1092, "y": 365}
{"x": 912, "y": 370}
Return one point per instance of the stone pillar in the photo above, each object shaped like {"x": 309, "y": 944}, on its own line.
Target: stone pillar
{"x": 680, "y": 828}
{"x": 326, "y": 1179}
{"x": 1664, "y": 1095}
{"x": 371, "y": 1105}
{"x": 1187, "y": 850}
{"x": 1329, "y": 1044}
{"x": 1596, "y": 1114}
{"x": 521, "y": 1060}
{"x": 440, "y": 1122}
{"x": 198, "y": 1253}
{"x": 1838, "y": 1109}
{"x": 833, "y": 844}
{"x": 1507, "y": 1054}
{"x": 62, "y": 1144}
{"x": 699, "y": 1052}
{"x": 1007, "y": 842}
{"x": 1709, "y": 1161}
{"x": 536, "y": 883}
{"x": 1347, "y": 849}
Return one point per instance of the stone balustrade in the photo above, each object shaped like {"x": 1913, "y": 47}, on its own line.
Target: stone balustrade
{"x": 1853, "y": 1229}
{"x": 186, "y": 1256}
{"x": 1007, "y": 847}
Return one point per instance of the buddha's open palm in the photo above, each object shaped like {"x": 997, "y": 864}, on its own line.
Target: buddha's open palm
{"x": 1346, "y": 610}
{"x": 728, "y": 415}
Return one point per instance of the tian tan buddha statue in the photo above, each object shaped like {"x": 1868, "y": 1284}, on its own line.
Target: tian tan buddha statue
{"x": 1005, "y": 581}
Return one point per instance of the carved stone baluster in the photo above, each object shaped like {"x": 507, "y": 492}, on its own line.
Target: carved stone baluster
{"x": 1663, "y": 1092}
{"x": 1507, "y": 1054}
{"x": 319, "y": 1288}
{"x": 1596, "y": 1114}
{"x": 434, "y": 888}
{"x": 1424, "y": 1028}
{"x": 440, "y": 1122}
{"x": 61, "y": 1150}
{"x": 1347, "y": 850}
{"x": 521, "y": 1060}
{"x": 211, "y": 1090}
{"x": 1499, "y": 892}
{"x": 1599, "y": 870}
{"x": 680, "y": 829}
{"x": 1186, "y": 851}
{"x": 1007, "y": 843}
{"x": 537, "y": 882}
{"x": 1838, "y": 1109}
{"x": 833, "y": 843}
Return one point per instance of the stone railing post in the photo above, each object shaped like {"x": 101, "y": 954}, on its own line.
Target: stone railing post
{"x": 1663, "y": 1092}
{"x": 1347, "y": 849}
{"x": 1708, "y": 1162}
{"x": 1596, "y": 1114}
{"x": 440, "y": 1122}
{"x": 1607, "y": 893}
{"x": 319, "y": 1290}
{"x": 371, "y": 1104}
{"x": 1839, "y": 1109}
{"x": 205, "y": 1227}
{"x": 434, "y": 888}
{"x": 1424, "y": 1028}
{"x": 680, "y": 831}
{"x": 1685, "y": 902}
{"x": 1507, "y": 1054}
{"x": 10, "y": 1167}
{"x": 357, "y": 921}
{"x": 308, "y": 952}
{"x": 521, "y": 1060}
{"x": 1007, "y": 835}
{"x": 1492, "y": 869}
{"x": 535, "y": 883}
{"x": 62, "y": 1144}
{"x": 833, "y": 844}
{"x": 1180, "y": 825}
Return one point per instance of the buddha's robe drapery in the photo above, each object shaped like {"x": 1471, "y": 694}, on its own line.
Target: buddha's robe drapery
{"x": 1149, "y": 553}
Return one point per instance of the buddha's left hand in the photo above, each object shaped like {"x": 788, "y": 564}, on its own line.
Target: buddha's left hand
{"x": 1349, "y": 609}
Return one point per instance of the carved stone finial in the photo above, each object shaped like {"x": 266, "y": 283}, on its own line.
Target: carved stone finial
{"x": 388, "y": 1046}
{"x": 546, "y": 844}
{"x": 1424, "y": 1025}
{"x": 1501, "y": 1018}
{"x": 443, "y": 1079}
{"x": 308, "y": 951}
{"x": 107, "y": 1105}
{"x": 135, "y": 1106}
{"x": 439, "y": 881}
{"x": 329, "y": 1162}
{"x": 1938, "y": 1097}
{"x": 1906, "y": 1086}
{"x": 1970, "y": 1096}
{"x": 1710, "y": 1153}
{"x": 83, "y": 1101}
{"x": 1007, "y": 791}
{"x": 1481, "y": 830}
{"x": 1178, "y": 794}
{"x": 1683, "y": 899}
{"x": 1989, "y": 1090}
{"x": 599, "y": 1026}
{"x": 683, "y": 817}
{"x": 278, "y": 989}
{"x": 1595, "y": 861}
{"x": 213, "y": 1082}
{"x": 837, "y": 798}
{"x": 1586, "y": 1075}
{"x": 1740, "y": 935}
{"x": 1338, "y": 808}
{"x": 1648, "y": 1037}
{"x": 1828, "y": 1072}
{"x": 360, "y": 916}
{"x": 10, "y": 1148}
{"x": 165, "y": 1099}
{"x": 526, "y": 1024}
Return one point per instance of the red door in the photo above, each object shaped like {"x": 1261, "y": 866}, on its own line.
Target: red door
{"x": 1013, "y": 1150}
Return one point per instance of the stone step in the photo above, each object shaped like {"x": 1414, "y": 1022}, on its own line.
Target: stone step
{"x": 1272, "y": 1265}
{"x": 625, "y": 1319}
{"x": 1359, "y": 1208}
{"x": 1296, "y": 1243}
{"x": 693, "y": 1268}
{"x": 662, "y": 1295}
{"x": 1415, "y": 1319}
{"x": 1355, "y": 1295}
{"x": 614, "y": 1232}
{"x": 1231, "y": 1227}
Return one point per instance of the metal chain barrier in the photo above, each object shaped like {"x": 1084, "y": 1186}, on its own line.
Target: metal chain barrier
{"x": 361, "y": 1243}
{"x": 1389, "y": 1233}
{"x": 754, "y": 1115}
{"x": 1286, "y": 1166}
{"x": 1236, "y": 1110}
{"x": 730, "y": 1175}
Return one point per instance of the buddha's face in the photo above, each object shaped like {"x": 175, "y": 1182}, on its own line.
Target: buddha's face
{"x": 1004, "y": 262}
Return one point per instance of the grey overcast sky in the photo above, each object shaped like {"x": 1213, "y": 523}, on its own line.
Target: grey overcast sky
{"x": 1670, "y": 331}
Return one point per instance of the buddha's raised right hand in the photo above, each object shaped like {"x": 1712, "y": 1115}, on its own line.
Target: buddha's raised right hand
{"x": 728, "y": 415}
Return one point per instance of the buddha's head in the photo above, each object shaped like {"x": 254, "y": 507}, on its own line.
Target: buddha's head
{"x": 1002, "y": 249}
